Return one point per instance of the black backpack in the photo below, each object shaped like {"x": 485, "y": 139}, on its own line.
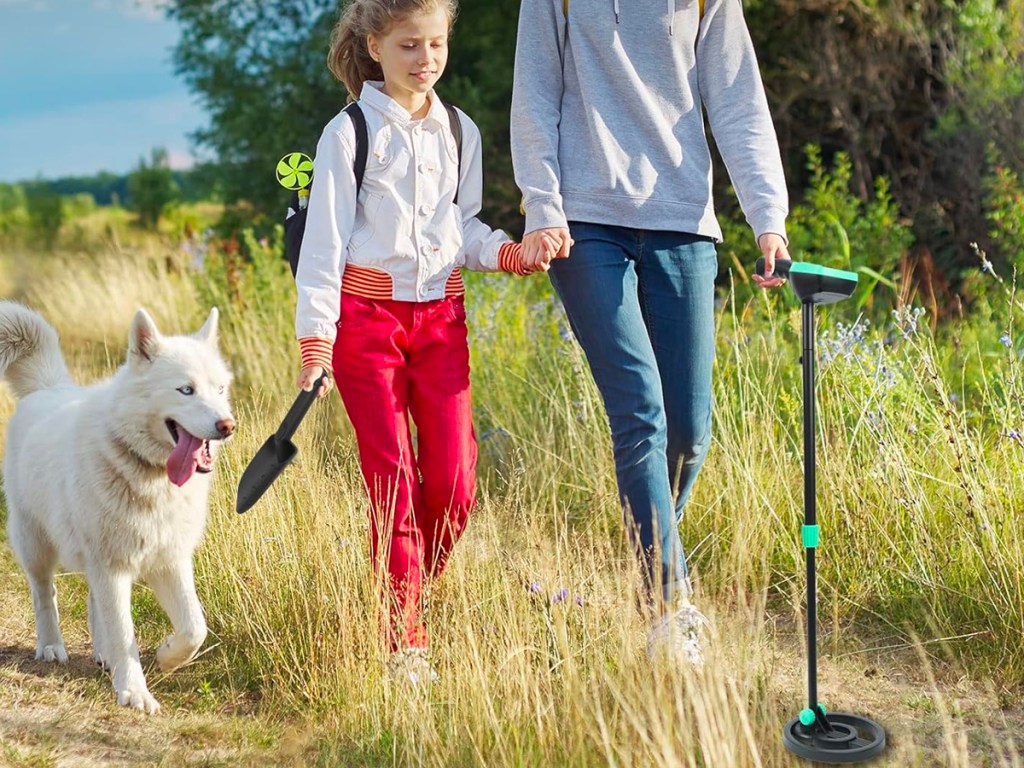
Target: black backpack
{"x": 295, "y": 218}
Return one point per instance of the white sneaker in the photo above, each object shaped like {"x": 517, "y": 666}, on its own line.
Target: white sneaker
{"x": 411, "y": 666}
{"x": 678, "y": 635}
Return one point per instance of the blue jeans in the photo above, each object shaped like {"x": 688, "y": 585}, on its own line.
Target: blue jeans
{"x": 641, "y": 304}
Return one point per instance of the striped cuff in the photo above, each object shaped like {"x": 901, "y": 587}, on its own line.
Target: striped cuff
{"x": 316, "y": 351}
{"x": 510, "y": 258}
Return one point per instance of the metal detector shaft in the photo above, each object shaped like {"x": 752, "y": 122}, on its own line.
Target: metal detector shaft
{"x": 810, "y": 509}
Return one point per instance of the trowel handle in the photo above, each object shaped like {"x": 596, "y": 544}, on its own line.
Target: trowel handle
{"x": 781, "y": 267}
{"x": 298, "y": 410}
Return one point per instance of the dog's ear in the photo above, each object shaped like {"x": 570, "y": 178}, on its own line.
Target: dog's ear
{"x": 143, "y": 338}
{"x": 208, "y": 332}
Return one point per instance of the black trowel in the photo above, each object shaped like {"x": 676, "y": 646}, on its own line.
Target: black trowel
{"x": 276, "y": 454}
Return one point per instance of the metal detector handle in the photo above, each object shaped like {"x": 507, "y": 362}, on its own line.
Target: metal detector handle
{"x": 298, "y": 410}
{"x": 781, "y": 267}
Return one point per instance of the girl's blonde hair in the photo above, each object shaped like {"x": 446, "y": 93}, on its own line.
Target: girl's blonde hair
{"x": 349, "y": 58}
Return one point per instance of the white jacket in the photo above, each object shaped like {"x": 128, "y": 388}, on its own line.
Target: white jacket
{"x": 404, "y": 223}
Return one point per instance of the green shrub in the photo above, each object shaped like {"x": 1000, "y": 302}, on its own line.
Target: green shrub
{"x": 834, "y": 227}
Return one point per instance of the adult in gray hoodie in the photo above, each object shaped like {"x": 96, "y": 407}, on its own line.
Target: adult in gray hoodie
{"x": 610, "y": 153}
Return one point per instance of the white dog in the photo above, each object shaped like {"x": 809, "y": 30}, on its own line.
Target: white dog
{"x": 112, "y": 480}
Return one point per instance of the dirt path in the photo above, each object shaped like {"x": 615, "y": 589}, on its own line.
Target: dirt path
{"x": 65, "y": 716}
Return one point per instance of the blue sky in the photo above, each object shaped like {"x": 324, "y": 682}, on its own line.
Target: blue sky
{"x": 88, "y": 86}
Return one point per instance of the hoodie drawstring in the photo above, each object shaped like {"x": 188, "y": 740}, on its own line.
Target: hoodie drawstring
{"x": 671, "y": 14}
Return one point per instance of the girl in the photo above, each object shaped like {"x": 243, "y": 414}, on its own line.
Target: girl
{"x": 397, "y": 343}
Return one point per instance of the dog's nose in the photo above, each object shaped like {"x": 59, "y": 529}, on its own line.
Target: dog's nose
{"x": 226, "y": 427}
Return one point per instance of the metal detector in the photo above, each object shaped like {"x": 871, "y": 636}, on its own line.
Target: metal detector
{"x": 816, "y": 734}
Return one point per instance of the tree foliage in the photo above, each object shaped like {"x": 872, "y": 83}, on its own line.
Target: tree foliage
{"x": 151, "y": 189}
{"x": 260, "y": 68}
{"x": 917, "y": 91}
{"x": 913, "y": 90}
{"x": 45, "y": 213}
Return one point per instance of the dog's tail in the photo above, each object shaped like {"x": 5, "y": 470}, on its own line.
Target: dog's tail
{"x": 30, "y": 357}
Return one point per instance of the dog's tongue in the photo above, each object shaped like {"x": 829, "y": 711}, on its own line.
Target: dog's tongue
{"x": 184, "y": 457}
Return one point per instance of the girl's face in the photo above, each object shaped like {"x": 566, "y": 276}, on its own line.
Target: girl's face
{"x": 412, "y": 54}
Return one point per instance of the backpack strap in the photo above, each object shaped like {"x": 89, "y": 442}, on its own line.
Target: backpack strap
{"x": 355, "y": 114}
{"x": 456, "y": 127}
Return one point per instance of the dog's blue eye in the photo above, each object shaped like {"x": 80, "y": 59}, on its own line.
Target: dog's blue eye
{"x": 186, "y": 390}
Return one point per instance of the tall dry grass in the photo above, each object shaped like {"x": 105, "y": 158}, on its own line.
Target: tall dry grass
{"x": 919, "y": 508}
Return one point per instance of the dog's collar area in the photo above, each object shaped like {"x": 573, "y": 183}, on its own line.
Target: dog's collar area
{"x": 125, "y": 447}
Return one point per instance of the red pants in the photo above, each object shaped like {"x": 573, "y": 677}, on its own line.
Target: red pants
{"x": 394, "y": 360}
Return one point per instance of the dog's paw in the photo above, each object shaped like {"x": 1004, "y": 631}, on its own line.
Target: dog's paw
{"x": 177, "y": 650}
{"x": 138, "y": 698}
{"x": 52, "y": 653}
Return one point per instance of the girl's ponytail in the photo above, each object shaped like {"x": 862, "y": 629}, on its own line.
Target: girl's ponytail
{"x": 349, "y": 58}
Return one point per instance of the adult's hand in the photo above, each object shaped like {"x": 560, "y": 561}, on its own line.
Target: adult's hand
{"x": 535, "y": 253}
{"x": 773, "y": 247}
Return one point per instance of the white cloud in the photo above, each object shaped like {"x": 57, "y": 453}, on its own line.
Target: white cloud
{"x": 180, "y": 160}
{"x": 147, "y": 9}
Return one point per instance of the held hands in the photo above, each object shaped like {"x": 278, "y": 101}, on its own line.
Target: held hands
{"x": 309, "y": 375}
{"x": 542, "y": 246}
{"x": 773, "y": 247}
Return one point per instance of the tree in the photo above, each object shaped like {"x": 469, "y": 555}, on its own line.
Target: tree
{"x": 260, "y": 69}
{"x": 151, "y": 188}
{"x": 12, "y": 207}
{"x": 45, "y": 212}
{"x": 913, "y": 90}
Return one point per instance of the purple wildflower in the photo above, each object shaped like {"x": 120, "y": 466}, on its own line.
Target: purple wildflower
{"x": 1005, "y": 340}
{"x": 534, "y": 588}
{"x": 559, "y": 596}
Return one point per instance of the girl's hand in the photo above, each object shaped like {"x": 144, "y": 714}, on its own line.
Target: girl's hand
{"x": 773, "y": 247}
{"x": 307, "y": 377}
{"x": 538, "y": 244}
{"x": 550, "y": 248}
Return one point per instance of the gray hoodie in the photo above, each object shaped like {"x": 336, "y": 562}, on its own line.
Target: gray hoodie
{"x": 615, "y": 135}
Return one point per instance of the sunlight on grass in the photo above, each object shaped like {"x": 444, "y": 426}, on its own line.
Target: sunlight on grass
{"x": 919, "y": 496}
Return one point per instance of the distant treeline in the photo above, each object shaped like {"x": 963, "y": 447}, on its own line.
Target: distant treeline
{"x": 112, "y": 189}
{"x": 39, "y": 209}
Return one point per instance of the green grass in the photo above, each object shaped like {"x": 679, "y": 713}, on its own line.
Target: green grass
{"x": 920, "y": 563}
